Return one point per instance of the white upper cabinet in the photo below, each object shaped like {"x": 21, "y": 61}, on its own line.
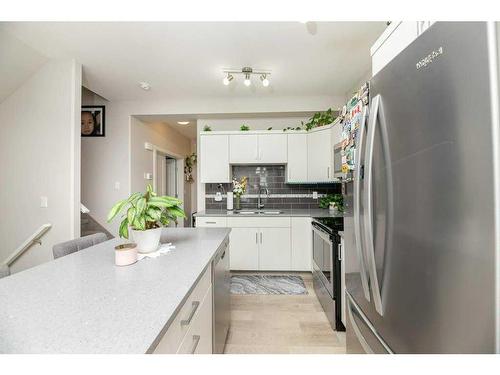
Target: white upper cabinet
{"x": 395, "y": 39}
{"x": 214, "y": 160}
{"x": 272, "y": 148}
{"x": 258, "y": 148}
{"x": 243, "y": 148}
{"x": 319, "y": 155}
{"x": 297, "y": 158}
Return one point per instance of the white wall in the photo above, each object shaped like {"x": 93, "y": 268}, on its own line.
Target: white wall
{"x": 111, "y": 155}
{"x": 160, "y": 135}
{"x": 40, "y": 156}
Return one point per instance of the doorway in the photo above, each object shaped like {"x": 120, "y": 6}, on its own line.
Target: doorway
{"x": 167, "y": 179}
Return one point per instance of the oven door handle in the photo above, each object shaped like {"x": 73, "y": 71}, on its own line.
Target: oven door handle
{"x": 323, "y": 234}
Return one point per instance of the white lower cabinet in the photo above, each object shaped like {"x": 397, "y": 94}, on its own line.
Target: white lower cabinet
{"x": 198, "y": 339}
{"x": 266, "y": 243}
{"x": 191, "y": 329}
{"x": 301, "y": 239}
{"x": 274, "y": 249}
{"x": 244, "y": 249}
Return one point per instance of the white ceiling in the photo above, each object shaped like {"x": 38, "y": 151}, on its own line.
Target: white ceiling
{"x": 185, "y": 59}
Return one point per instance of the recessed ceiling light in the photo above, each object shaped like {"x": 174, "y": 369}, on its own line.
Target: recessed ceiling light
{"x": 183, "y": 122}
{"x": 145, "y": 86}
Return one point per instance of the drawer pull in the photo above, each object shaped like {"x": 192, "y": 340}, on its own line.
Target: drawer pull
{"x": 196, "y": 340}
{"x": 211, "y": 222}
{"x": 187, "y": 321}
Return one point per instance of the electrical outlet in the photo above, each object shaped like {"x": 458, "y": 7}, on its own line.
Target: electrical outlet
{"x": 44, "y": 202}
{"x": 315, "y": 195}
{"x": 148, "y": 176}
{"x": 117, "y": 185}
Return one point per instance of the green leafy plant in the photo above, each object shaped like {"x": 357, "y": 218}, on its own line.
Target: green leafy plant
{"x": 270, "y": 128}
{"x": 319, "y": 119}
{"x": 337, "y": 199}
{"x": 244, "y": 128}
{"x": 207, "y": 128}
{"x": 146, "y": 211}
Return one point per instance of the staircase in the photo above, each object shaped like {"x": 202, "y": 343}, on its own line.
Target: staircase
{"x": 88, "y": 226}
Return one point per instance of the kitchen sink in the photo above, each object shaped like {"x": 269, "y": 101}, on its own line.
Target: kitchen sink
{"x": 272, "y": 212}
{"x": 247, "y": 212}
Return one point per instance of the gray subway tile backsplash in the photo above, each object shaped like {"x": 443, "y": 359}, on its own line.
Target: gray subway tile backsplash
{"x": 271, "y": 177}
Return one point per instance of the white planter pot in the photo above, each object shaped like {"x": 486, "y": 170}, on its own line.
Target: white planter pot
{"x": 147, "y": 240}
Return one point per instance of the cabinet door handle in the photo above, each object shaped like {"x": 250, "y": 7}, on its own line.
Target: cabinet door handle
{"x": 260, "y": 237}
{"x": 340, "y": 253}
{"x": 187, "y": 321}
{"x": 328, "y": 172}
{"x": 256, "y": 241}
{"x": 196, "y": 341}
{"x": 211, "y": 222}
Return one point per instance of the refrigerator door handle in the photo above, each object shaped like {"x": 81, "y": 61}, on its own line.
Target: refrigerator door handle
{"x": 357, "y": 201}
{"x": 376, "y": 117}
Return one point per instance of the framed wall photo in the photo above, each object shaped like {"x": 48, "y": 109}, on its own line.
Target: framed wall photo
{"x": 93, "y": 120}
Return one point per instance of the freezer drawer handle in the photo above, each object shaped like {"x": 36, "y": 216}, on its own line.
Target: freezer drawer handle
{"x": 357, "y": 229}
{"x": 357, "y": 331}
{"x": 187, "y": 321}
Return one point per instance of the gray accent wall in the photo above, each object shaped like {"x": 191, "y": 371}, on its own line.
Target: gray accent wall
{"x": 272, "y": 177}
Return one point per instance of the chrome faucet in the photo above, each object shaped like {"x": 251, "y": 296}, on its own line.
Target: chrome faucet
{"x": 259, "y": 199}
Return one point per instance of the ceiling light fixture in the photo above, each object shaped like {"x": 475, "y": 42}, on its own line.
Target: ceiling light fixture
{"x": 183, "y": 122}
{"x": 247, "y": 72}
{"x": 227, "y": 79}
{"x": 145, "y": 86}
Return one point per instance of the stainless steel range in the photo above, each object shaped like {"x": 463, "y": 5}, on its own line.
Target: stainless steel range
{"x": 327, "y": 267}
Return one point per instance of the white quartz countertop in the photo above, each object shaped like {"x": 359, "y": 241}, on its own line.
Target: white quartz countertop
{"x": 83, "y": 303}
{"x": 298, "y": 212}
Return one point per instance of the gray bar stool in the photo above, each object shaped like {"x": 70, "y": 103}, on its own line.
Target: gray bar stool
{"x": 69, "y": 247}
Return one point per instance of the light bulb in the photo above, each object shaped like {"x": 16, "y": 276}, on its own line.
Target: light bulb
{"x": 265, "y": 81}
{"x": 247, "y": 81}
{"x": 227, "y": 79}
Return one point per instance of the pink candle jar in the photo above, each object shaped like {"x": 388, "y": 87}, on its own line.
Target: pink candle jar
{"x": 125, "y": 254}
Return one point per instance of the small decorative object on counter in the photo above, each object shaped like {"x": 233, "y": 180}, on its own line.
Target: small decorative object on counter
{"x": 207, "y": 128}
{"x": 229, "y": 201}
{"x": 146, "y": 214}
{"x": 125, "y": 254}
{"x": 239, "y": 188}
{"x": 244, "y": 128}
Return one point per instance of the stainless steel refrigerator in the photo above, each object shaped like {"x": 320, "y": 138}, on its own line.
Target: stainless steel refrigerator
{"x": 421, "y": 226}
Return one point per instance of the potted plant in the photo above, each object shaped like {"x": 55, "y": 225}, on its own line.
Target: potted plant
{"x": 145, "y": 215}
{"x": 239, "y": 188}
{"x": 335, "y": 200}
{"x": 319, "y": 119}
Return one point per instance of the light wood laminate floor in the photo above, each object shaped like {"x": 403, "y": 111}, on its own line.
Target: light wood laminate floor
{"x": 281, "y": 324}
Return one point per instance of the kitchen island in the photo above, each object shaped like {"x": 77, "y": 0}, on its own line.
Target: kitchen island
{"x": 83, "y": 303}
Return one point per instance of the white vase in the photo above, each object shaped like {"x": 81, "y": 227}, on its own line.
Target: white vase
{"x": 147, "y": 240}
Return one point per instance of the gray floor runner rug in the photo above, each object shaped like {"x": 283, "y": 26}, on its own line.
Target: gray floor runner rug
{"x": 267, "y": 284}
